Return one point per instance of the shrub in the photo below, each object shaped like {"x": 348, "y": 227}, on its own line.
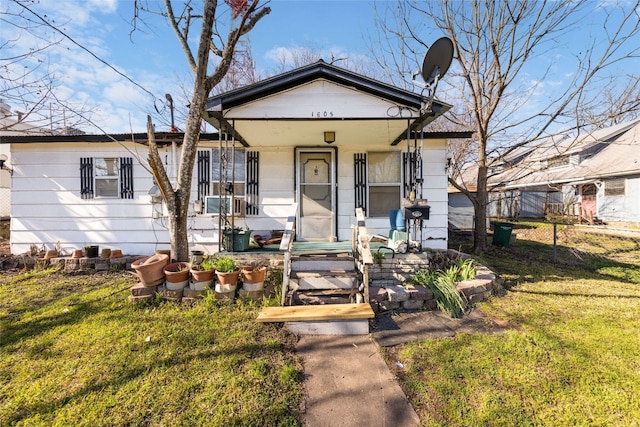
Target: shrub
{"x": 443, "y": 285}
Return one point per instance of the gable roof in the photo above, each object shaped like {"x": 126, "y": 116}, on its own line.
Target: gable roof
{"x": 309, "y": 73}
{"x": 220, "y": 105}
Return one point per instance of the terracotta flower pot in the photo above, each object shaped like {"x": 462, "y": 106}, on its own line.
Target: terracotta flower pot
{"x": 177, "y": 272}
{"x": 51, "y": 254}
{"x": 201, "y": 275}
{"x": 230, "y": 278}
{"x": 116, "y": 253}
{"x": 254, "y": 275}
{"x": 78, "y": 253}
{"x": 150, "y": 270}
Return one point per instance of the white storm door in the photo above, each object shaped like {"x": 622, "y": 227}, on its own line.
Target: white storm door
{"x": 316, "y": 195}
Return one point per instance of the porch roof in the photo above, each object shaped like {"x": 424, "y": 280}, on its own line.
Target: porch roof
{"x": 395, "y": 112}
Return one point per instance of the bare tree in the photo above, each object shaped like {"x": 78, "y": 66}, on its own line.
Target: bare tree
{"x": 614, "y": 104}
{"x": 247, "y": 14}
{"x": 495, "y": 44}
{"x": 26, "y": 83}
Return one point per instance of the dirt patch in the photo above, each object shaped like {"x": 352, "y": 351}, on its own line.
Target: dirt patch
{"x": 5, "y": 249}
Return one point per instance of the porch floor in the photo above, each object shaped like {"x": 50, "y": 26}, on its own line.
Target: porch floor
{"x": 301, "y": 248}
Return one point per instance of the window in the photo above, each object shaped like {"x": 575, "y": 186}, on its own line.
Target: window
{"x": 614, "y": 187}
{"x": 106, "y": 177}
{"x": 558, "y": 161}
{"x": 384, "y": 182}
{"x": 245, "y": 173}
{"x": 238, "y": 175}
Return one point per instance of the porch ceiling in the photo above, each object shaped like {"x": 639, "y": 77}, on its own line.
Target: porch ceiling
{"x": 373, "y": 132}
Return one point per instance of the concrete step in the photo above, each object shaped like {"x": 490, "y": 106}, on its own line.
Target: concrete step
{"x": 323, "y": 296}
{"x": 326, "y": 262}
{"x": 334, "y": 279}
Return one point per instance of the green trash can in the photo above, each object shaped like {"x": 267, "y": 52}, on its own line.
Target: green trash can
{"x": 502, "y": 233}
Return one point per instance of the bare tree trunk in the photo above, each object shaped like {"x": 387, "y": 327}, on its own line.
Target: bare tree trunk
{"x": 178, "y": 197}
{"x": 480, "y": 208}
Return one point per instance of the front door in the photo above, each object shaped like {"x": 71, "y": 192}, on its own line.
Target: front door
{"x": 316, "y": 194}
{"x": 589, "y": 204}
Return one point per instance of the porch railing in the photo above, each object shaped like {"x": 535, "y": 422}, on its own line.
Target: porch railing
{"x": 286, "y": 246}
{"x": 362, "y": 250}
{"x": 566, "y": 210}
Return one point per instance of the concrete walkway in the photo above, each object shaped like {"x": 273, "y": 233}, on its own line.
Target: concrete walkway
{"x": 348, "y": 383}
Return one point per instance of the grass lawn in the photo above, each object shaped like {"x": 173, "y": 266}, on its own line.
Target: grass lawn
{"x": 570, "y": 356}
{"x": 75, "y": 352}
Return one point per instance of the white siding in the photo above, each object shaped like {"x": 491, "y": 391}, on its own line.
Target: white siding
{"x": 304, "y": 101}
{"x": 621, "y": 208}
{"x": 47, "y": 207}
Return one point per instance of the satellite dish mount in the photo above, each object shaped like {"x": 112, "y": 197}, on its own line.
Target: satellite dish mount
{"x": 435, "y": 65}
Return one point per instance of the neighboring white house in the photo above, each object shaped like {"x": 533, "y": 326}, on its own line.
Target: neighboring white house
{"x": 11, "y": 123}
{"x": 326, "y": 138}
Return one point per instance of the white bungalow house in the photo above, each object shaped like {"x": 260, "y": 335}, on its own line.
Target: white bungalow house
{"x": 320, "y": 136}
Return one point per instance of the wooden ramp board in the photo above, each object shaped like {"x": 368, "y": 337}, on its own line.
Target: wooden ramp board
{"x": 302, "y": 313}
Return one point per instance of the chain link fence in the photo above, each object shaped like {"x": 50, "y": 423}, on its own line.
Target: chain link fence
{"x": 570, "y": 244}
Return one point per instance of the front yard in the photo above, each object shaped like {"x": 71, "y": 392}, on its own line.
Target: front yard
{"x": 75, "y": 352}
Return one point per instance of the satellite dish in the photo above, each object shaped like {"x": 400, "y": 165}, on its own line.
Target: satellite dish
{"x": 437, "y": 60}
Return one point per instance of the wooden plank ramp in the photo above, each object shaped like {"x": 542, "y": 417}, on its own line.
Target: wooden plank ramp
{"x": 306, "y": 313}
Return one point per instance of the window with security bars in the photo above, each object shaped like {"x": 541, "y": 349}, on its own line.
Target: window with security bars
{"x": 245, "y": 188}
{"x": 106, "y": 177}
{"x": 614, "y": 187}
{"x": 384, "y": 179}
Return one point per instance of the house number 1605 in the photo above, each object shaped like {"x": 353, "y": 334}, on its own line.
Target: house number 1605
{"x": 322, "y": 114}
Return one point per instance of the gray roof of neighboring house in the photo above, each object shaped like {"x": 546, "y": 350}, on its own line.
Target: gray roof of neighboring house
{"x": 603, "y": 153}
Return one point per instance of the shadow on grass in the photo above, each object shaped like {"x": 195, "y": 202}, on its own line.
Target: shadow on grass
{"x": 15, "y": 331}
{"x": 573, "y": 294}
{"x": 122, "y": 377}
{"x": 532, "y": 260}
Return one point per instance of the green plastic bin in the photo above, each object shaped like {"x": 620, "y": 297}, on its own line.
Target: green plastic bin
{"x": 236, "y": 241}
{"x": 502, "y": 233}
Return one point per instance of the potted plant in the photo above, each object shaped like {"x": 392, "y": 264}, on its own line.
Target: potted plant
{"x": 91, "y": 251}
{"x": 150, "y": 270}
{"x": 177, "y": 274}
{"x": 202, "y": 274}
{"x": 227, "y": 273}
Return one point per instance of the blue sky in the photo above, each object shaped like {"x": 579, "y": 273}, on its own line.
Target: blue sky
{"x": 151, "y": 56}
